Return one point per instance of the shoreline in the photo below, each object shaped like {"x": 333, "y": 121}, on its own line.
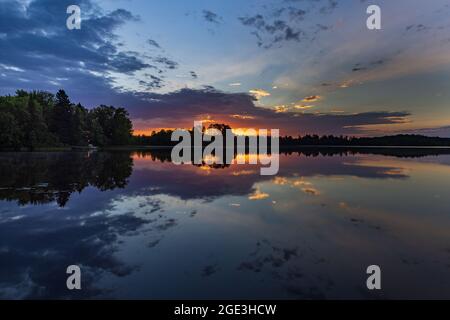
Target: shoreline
{"x": 282, "y": 147}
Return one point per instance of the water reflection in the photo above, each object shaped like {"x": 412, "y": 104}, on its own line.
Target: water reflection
{"x": 38, "y": 178}
{"x": 142, "y": 227}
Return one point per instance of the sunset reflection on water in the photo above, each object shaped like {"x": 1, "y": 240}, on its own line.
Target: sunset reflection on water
{"x": 142, "y": 227}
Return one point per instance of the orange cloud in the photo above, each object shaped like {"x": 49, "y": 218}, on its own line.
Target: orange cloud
{"x": 302, "y": 106}
{"x": 281, "y": 109}
{"x": 311, "y": 191}
{"x": 259, "y": 93}
{"x": 312, "y": 98}
{"x": 258, "y": 195}
{"x": 242, "y": 117}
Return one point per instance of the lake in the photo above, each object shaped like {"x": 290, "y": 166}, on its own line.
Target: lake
{"x": 141, "y": 227}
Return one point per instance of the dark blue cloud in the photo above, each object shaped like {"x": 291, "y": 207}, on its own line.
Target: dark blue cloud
{"x": 153, "y": 43}
{"x": 288, "y": 21}
{"x": 34, "y": 39}
{"x": 211, "y": 17}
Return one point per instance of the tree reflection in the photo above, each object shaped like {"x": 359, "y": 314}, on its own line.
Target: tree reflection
{"x": 164, "y": 154}
{"x": 39, "y": 178}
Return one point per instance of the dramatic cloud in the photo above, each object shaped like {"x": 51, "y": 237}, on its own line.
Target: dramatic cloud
{"x": 37, "y": 40}
{"x": 181, "y": 108}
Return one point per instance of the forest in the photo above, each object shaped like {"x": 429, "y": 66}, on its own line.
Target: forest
{"x": 38, "y": 119}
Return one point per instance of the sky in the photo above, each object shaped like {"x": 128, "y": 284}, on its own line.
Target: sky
{"x": 301, "y": 66}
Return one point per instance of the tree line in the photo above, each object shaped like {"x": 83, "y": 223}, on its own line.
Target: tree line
{"x": 163, "y": 138}
{"x": 393, "y": 140}
{"x": 41, "y": 119}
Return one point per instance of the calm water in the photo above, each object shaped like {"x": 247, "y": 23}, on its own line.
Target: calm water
{"x": 141, "y": 227}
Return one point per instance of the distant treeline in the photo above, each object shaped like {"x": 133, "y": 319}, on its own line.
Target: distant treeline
{"x": 395, "y": 140}
{"x": 40, "y": 119}
{"x": 163, "y": 138}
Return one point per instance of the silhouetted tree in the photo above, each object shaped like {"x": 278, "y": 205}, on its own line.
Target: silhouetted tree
{"x": 62, "y": 118}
